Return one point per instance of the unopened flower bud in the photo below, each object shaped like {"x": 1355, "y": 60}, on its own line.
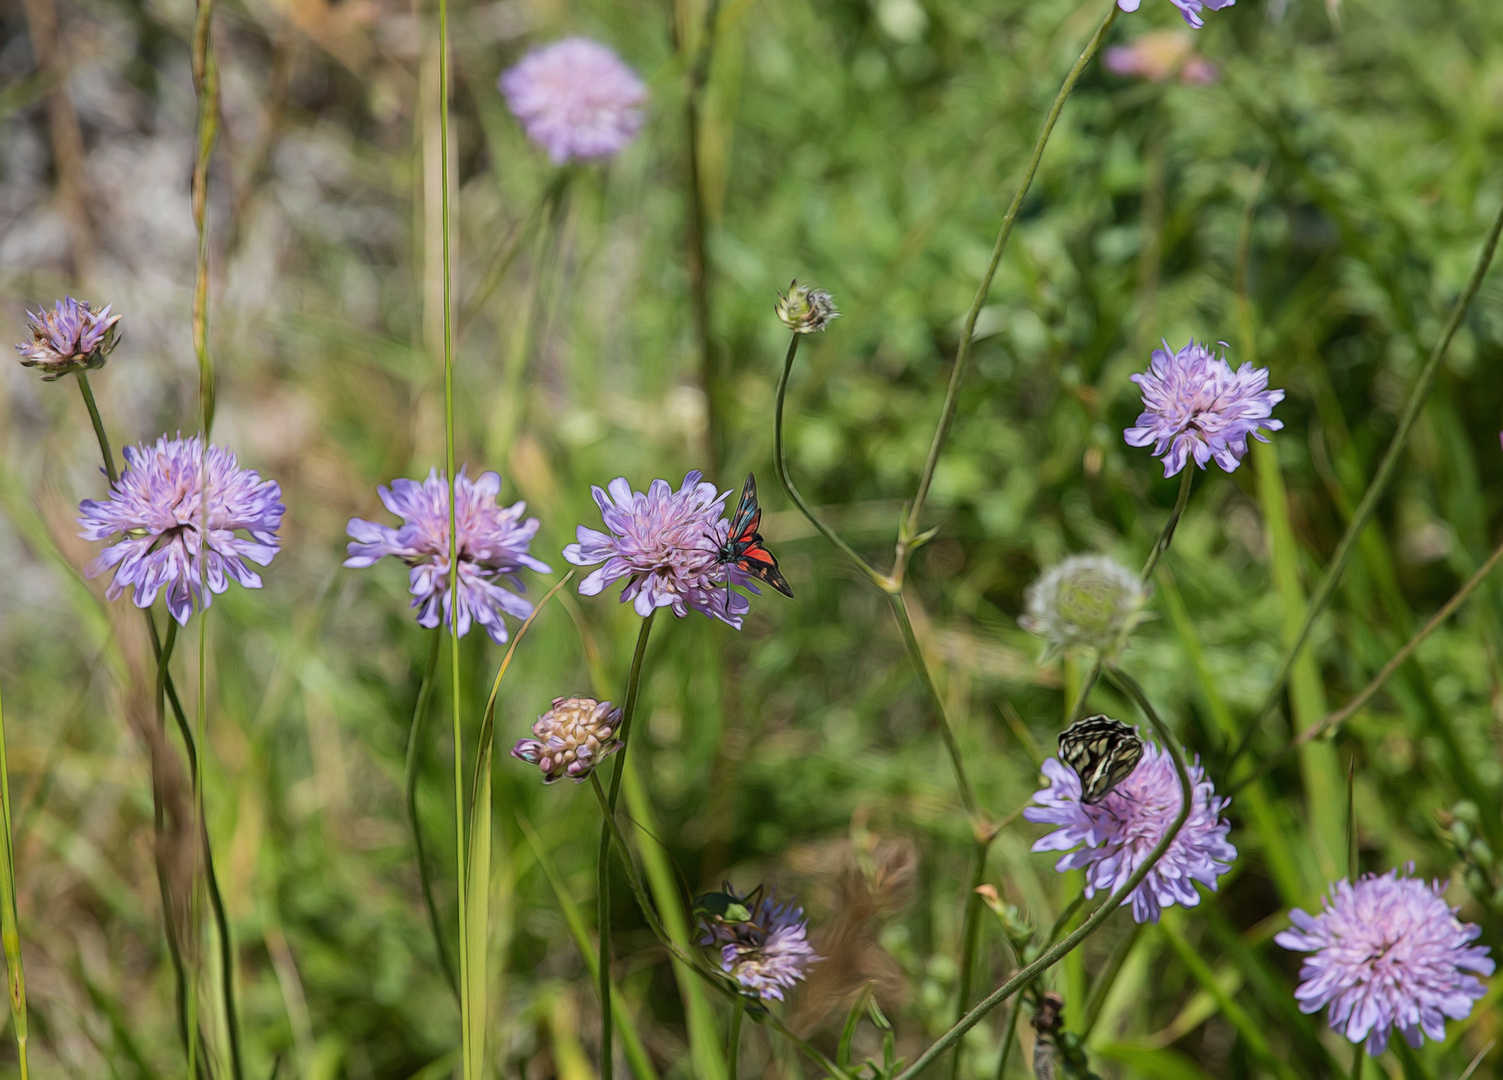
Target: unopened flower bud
{"x": 572, "y": 738}
{"x": 1087, "y": 601}
{"x": 71, "y": 337}
{"x": 805, "y": 310}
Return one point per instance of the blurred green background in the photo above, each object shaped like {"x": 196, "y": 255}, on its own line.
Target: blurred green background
{"x": 868, "y": 147}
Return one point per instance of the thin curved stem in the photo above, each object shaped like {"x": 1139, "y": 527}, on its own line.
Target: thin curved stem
{"x": 1055, "y": 953}
{"x": 1375, "y": 490}
{"x": 1011, "y": 1038}
{"x": 780, "y": 459}
{"x": 409, "y": 786}
{"x": 962, "y": 781}
{"x": 970, "y": 932}
{"x": 967, "y": 337}
{"x": 1166, "y": 536}
{"x": 603, "y": 861}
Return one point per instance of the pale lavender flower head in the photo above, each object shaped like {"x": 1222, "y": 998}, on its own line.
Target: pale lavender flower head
{"x": 767, "y": 953}
{"x": 1114, "y": 836}
{"x": 1190, "y": 9}
{"x": 575, "y": 99}
{"x": 156, "y": 510}
{"x": 493, "y": 542}
{"x": 572, "y": 737}
{"x": 665, "y": 544}
{"x": 1196, "y": 405}
{"x": 71, "y": 337}
{"x": 1388, "y": 953}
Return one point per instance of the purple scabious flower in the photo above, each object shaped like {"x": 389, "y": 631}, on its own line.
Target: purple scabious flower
{"x": 71, "y": 337}
{"x": 1388, "y": 952}
{"x": 665, "y": 544}
{"x": 493, "y": 542}
{"x": 572, "y": 737}
{"x": 156, "y": 510}
{"x": 575, "y": 99}
{"x": 1196, "y": 405}
{"x": 1120, "y": 831}
{"x": 767, "y": 953}
{"x": 1190, "y": 9}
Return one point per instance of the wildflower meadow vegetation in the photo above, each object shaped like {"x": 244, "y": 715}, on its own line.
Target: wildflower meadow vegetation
{"x": 992, "y": 505}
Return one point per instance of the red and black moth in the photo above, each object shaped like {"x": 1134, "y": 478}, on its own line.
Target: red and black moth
{"x": 744, "y": 547}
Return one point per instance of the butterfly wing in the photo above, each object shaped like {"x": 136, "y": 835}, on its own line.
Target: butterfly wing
{"x": 763, "y": 565}
{"x": 1103, "y": 752}
{"x": 748, "y": 516}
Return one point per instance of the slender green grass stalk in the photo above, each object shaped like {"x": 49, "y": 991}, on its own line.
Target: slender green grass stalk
{"x": 696, "y": 254}
{"x": 733, "y": 1038}
{"x": 410, "y": 778}
{"x": 603, "y": 863}
{"x": 1094, "y": 921}
{"x": 1101, "y": 986}
{"x": 1334, "y": 720}
{"x": 1375, "y": 490}
{"x": 99, "y": 432}
{"x": 10, "y": 931}
{"x": 631, "y": 1041}
{"x": 467, "y": 1019}
{"x": 970, "y": 932}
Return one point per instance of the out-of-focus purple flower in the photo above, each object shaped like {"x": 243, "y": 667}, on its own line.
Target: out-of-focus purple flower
{"x": 493, "y": 542}
{"x": 571, "y": 738}
{"x": 1120, "y": 831}
{"x": 575, "y": 99}
{"x": 71, "y": 337}
{"x": 156, "y": 508}
{"x": 1196, "y": 406}
{"x": 1388, "y": 953}
{"x": 1160, "y": 55}
{"x": 767, "y": 953}
{"x": 664, "y": 543}
{"x": 1190, "y": 9}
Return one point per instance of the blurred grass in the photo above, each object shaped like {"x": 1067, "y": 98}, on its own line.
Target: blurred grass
{"x": 867, "y": 146}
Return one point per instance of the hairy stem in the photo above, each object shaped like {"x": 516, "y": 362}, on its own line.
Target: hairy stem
{"x": 733, "y": 1040}
{"x": 946, "y": 733}
{"x": 967, "y": 337}
{"x": 99, "y": 432}
{"x": 410, "y": 778}
{"x": 1055, "y": 953}
{"x": 1375, "y": 490}
{"x": 1166, "y": 536}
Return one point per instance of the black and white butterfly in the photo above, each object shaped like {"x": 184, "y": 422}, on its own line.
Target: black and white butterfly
{"x": 1102, "y": 751}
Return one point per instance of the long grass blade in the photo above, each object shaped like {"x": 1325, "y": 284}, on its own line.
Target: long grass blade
{"x": 10, "y": 932}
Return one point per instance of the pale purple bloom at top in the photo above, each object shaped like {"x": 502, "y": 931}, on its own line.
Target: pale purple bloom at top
{"x": 1195, "y": 405}
{"x": 71, "y": 337}
{"x": 1387, "y": 953}
{"x": 769, "y": 952}
{"x": 493, "y": 543}
{"x": 156, "y": 510}
{"x": 664, "y": 543}
{"x": 1190, "y": 9}
{"x": 1120, "y": 831}
{"x": 575, "y": 99}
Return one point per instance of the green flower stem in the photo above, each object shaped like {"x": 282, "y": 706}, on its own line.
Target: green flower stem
{"x": 695, "y": 245}
{"x": 910, "y": 527}
{"x": 603, "y": 862}
{"x": 10, "y": 927}
{"x": 1375, "y": 490}
{"x": 962, "y": 781}
{"x": 970, "y": 932}
{"x": 1055, "y": 953}
{"x": 1096, "y": 999}
{"x": 99, "y": 432}
{"x": 1357, "y": 1055}
{"x": 780, "y": 459}
{"x": 1166, "y": 536}
{"x": 733, "y": 1040}
{"x": 410, "y": 778}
